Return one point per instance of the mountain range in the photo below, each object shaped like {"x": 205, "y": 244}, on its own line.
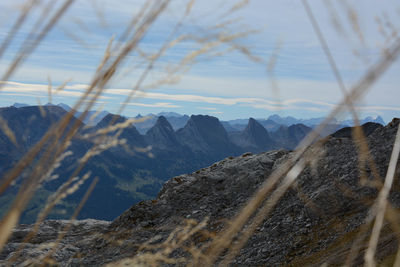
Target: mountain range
{"x": 134, "y": 170}
{"x": 177, "y": 121}
{"x": 325, "y": 218}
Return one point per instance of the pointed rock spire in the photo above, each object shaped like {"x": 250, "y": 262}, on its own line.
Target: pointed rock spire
{"x": 254, "y": 138}
{"x": 162, "y": 135}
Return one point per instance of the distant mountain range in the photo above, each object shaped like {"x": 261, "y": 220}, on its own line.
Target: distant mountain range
{"x": 136, "y": 170}
{"x": 92, "y": 118}
{"x": 177, "y": 121}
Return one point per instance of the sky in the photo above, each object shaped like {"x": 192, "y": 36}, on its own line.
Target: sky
{"x": 287, "y": 72}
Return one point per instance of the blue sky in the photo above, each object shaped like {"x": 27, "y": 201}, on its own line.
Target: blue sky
{"x": 227, "y": 86}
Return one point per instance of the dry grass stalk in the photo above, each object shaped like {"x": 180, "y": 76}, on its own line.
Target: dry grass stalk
{"x": 7, "y": 131}
{"x": 153, "y": 253}
{"x": 74, "y": 216}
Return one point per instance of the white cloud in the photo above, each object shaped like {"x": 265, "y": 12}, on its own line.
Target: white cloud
{"x": 26, "y": 89}
{"x": 206, "y": 108}
{"x": 378, "y": 108}
{"x": 155, "y": 105}
{"x": 165, "y": 100}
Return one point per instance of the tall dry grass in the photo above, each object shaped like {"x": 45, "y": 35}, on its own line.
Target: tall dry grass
{"x": 216, "y": 40}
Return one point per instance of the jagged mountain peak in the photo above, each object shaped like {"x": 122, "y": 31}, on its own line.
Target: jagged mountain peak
{"x": 254, "y": 125}
{"x": 209, "y": 127}
{"x": 163, "y": 122}
{"x": 206, "y": 134}
{"x": 252, "y": 121}
{"x": 162, "y": 135}
{"x": 111, "y": 118}
{"x": 204, "y": 119}
{"x": 130, "y": 133}
{"x": 254, "y": 137}
{"x": 298, "y": 126}
{"x": 205, "y": 122}
{"x": 169, "y": 114}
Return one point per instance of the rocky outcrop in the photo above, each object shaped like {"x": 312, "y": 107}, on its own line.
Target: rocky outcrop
{"x": 38, "y": 249}
{"x": 315, "y": 221}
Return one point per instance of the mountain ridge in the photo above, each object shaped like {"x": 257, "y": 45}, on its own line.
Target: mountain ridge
{"x": 177, "y": 120}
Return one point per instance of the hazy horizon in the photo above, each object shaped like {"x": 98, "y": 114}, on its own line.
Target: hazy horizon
{"x": 348, "y": 118}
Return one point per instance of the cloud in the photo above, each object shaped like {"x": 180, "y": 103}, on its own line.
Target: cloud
{"x": 41, "y": 90}
{"x": 165, "y": 100}
{"x": 377, "y": 108}
{"x": 206, "y": 108}
{"x": 155, "y": 105}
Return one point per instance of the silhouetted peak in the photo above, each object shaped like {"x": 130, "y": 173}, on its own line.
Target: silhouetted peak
{"x": 19, "y": 105}
{"x": 347, "y": 132}
{"x": 205, "y": 133}
{"x": 55, "y": 112}
{"x": 254, "y": 125}
{"x": 162, "y": 134}
{"x": 255, "y": 130}
{"x": 255, "y": 136}
{"x": 394, "y": 122}
{"x": 252, "y": 121}
{"x": 163, "y": 122}
{"x": 64, "y": 106}
{"x": 203, "y": 119}
{"x": 111, "y": 118}
{"x": 169, "y": 114}
{"x": 298, "y": 126}
{"x": 207, "y": 126}
{"x": 283, "y": 128}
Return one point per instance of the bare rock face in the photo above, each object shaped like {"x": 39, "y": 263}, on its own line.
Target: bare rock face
{"x": 76, "y": 234}
{"x": 315, "y": 222}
